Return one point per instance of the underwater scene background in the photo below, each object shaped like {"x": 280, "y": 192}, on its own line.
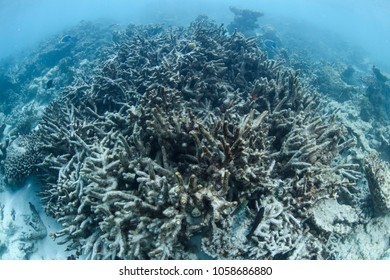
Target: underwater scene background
{"x": 194, "y": 129}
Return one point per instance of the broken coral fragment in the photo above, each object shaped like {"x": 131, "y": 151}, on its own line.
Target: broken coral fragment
{"x": 378, "y": 177}
{"x": 330, "y": 216}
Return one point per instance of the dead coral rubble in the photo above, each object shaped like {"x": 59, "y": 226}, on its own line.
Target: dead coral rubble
{"x": 378, "y": 177}
{"x": 190, "y": 142}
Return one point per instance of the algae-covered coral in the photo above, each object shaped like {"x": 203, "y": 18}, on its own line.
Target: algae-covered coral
{"x": 189, "y": 142}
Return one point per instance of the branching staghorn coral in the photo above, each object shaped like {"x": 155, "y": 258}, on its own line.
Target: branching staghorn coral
{"x": 185, "y": 141}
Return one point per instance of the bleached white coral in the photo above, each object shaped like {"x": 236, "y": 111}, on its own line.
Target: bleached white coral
{"x": 332, "y": 217}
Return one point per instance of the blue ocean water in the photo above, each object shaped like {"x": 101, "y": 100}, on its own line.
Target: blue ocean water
{"x": 363, "y": 23}
{"x": 194, "y": 129}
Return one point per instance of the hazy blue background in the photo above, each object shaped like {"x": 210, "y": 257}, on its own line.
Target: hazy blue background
{"x": 365, "y": 23}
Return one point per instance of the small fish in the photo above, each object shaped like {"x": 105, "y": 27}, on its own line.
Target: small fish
{"x": 49, "y": 84}
{"x": 257, "y": 221}
{"x": 270, "y": 44}
{"x": 240, "y": 208}
{"x": 66, "y": 39}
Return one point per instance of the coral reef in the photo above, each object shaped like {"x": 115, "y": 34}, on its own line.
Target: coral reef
{"x": 378, "y": 90}
{"x": 367, "y": 241}
{"x": 28, "y": 84}
{"x": 24, "y": 82}
{"x": 245, "y": 21}
{"x": 378, "y": 177}
{"x": 189, "y": 142}
{"x": 330, "y": 216}
{"x": 336, "y": 81}
{"x": 21, "y": 156}
{"x": 3, "y": 143}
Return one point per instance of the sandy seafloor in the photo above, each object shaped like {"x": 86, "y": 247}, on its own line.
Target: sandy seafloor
{"x": 15, "y": 231}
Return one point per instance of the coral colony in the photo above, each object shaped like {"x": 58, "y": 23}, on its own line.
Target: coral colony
{"x": 189, "y": 143}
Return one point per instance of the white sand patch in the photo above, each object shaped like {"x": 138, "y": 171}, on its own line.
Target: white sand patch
{"x": 25, "y": 228}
